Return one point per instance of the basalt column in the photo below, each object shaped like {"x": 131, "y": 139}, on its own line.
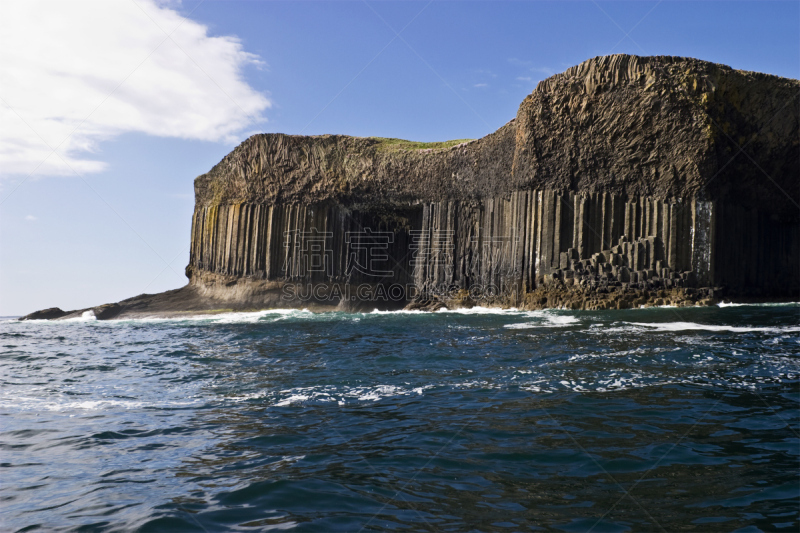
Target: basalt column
{"x": 510, "y": 244}
{"x": 316, "y": 244}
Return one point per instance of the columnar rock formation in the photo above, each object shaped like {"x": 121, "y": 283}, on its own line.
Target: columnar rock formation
{"x": 623, "y": 173}
{"x": 623, "y": 181}
{"x": 500, "y": 249}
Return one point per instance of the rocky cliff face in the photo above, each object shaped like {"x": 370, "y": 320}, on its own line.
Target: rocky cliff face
{"x": 623, "y": 175}
{"x": 624, "y": 180}
{"x": 663, "y": 127}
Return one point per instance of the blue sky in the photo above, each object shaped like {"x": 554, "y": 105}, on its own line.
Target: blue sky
{"x": 134, "y": 116}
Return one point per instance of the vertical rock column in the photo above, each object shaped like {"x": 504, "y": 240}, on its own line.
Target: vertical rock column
{"x": 703, "y": 241}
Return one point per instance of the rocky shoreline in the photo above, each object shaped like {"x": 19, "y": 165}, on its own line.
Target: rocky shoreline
{"x": 183, "y": 303}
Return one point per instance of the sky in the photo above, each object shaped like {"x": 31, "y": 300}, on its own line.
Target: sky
{"x": 109, "y": 109}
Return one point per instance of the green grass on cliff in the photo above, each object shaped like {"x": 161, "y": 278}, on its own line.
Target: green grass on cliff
{"x": 393, "y": 145}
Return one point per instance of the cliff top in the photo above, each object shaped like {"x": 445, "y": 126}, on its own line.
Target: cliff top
{"x": 388, "y": 144}
{"x": 659, "y": 126}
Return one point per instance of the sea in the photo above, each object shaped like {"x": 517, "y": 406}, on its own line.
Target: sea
{"x": 658, "y": 419}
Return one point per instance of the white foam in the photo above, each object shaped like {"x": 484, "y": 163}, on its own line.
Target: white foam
{"x": 692, "y": 326}
{"x": 243, "y": 317}
{"x": 766, "y": 304}
{"x": 397, "y": 312}
{"x": 478, "y": 310}
{"x": 87, "y": 316}
{"x": 562, "y": 320}
{"x": 549, "y": 320}
{"x": 275, "y": 314}
{"x": 381, "y": 391}
{"x": 40, "y": 404}
{"x": 294, "y": 398}
{"x": 523, "y": 325}
{"x": 286, "y": 460}
{"x": 601, "y": 330}
{"x": 329, "y": 393}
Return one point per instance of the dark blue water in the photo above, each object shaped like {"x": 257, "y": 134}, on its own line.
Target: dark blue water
{"x": 641, "y": 420}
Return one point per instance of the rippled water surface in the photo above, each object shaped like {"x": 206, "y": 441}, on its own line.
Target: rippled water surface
{"x": 640, "y": 420}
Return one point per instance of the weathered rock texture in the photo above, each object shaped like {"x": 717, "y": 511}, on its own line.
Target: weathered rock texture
{"x": 622, "y": 174}
{"x": 623, "y": 181}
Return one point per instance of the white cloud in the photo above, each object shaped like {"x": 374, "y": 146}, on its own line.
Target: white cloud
{"x": 479, "y": 85}
{"x": 87, "y": 71}
{"x": 31, "y": 218}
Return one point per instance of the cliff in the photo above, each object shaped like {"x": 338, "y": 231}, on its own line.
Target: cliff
{"x": 624, "y": 180}
{"x": 664, "y": 127}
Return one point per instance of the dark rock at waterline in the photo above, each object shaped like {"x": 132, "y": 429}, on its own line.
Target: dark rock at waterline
{"x": 101, "y": 312}
{"x": 45, "y": 314}
{"x": 107, "y": 311}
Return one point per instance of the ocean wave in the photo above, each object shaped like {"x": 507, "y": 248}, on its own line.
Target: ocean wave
{"x": 275, "y": 314}
{"x": 548, "y": 320}
{"x": 692, "y": 326}
{"x": 236, "y": 317}
{"x": 478, "y": 310}
{"x": 396, "y": 312}
{"x": 86, "y": 316}
{"x": 765, "y": 304}
{"x": 524, "y": 379}
{"x": 331, "y": 394}
{"x": 23, "y": 404}
{"x": 551, "y": 316}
